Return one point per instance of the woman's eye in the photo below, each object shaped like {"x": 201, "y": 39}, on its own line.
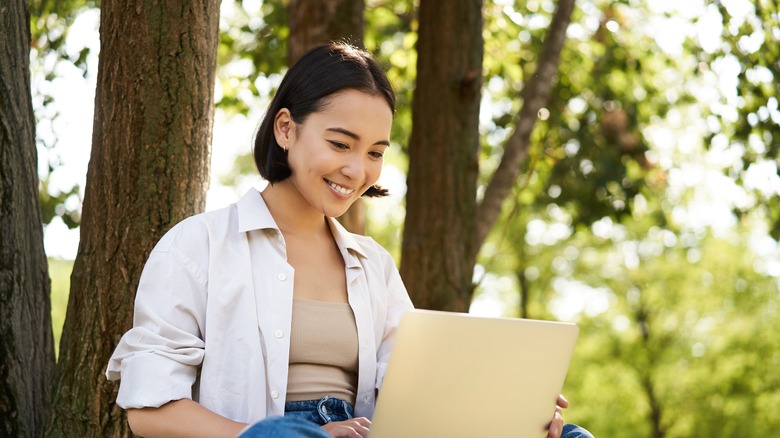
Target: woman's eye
{"x": 338, "y": 145}
{"x": 377, "y": 155}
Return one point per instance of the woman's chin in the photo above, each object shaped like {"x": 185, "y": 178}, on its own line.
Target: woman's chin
{"x": 335, "y": 212}
{"x": 339, "y": 214}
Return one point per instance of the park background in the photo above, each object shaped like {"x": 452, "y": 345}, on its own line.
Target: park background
{"x": 642, "y": 203}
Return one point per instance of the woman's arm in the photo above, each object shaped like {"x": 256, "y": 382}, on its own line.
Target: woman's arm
{"x": 181, "y": 418}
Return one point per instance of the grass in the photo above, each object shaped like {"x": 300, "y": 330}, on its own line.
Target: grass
{"x": 59, "y": 272}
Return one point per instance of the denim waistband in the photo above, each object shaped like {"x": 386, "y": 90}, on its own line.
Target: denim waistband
{"x": 321, "y": 411}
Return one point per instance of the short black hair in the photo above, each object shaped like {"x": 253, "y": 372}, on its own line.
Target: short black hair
{"x": 321, "y": 72}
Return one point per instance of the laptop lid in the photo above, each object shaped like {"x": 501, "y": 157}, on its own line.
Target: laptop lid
{"x": 458, "y": 375}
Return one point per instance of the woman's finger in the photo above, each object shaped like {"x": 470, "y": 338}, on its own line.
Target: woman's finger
{"x": 556, "y": 425}
{"x": 353, "y": 428}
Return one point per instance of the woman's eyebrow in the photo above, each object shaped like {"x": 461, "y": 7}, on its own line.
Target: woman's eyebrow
{"x": 354, "y": 136}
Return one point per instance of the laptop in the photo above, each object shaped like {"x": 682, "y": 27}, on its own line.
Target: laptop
{"x": 459, "y": 375}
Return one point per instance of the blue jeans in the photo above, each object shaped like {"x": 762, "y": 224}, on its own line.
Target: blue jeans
{"x": 303, "y": 420}
{"x": 574, "y": 431}
{"x": 320, "y": 412}
{"x": 284, "y": 427}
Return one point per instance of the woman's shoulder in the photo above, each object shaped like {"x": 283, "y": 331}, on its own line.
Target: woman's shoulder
{"x": 371, "y": 251}
{"x": 369, "y": 245}
{"x": 199, "y": 228}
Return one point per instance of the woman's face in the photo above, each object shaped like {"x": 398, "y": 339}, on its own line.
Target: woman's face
{"x": 336, "y": 154}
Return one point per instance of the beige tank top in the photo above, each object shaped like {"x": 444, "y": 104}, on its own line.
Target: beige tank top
{"x": 323, "y": 351}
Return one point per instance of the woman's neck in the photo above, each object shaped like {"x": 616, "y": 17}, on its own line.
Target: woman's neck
{"x": 292, "y": 213}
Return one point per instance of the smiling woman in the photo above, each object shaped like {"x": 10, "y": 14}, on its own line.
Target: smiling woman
{"x": 267, "y": 317}
{"x": 327, "y": 302}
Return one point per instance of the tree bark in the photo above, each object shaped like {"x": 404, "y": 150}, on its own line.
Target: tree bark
{"x": 148, "y": 170}
{"x": 443, "y": 154}
{"x": 26, "y": 341}
{"x": 314, "y": 22}
{"x": 535, "y": 95}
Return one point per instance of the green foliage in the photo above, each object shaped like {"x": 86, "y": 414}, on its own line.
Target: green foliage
{"x": 49, "y": 26}
{"x": 512, "y": 45}
{"x": 680, "y": 324}
{"x": 588, "y": 159}
{"x": 693, "y": 321}
{"x": 588, "y": 152}
{"x": 252, "y": 51}
{"x": 592, "y": 141}
{"x": 748, "y": 120}
{"x": 390, "y": 34}
{"x": 60, "y": 205}
{"x": 677, "y": 325}
{"x": 50, "y": 21}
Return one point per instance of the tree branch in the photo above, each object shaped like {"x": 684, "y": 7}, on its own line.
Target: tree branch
{"x": 535, "y": 95}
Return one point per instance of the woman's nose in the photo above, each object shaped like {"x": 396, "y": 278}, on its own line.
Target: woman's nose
{"x": 354, "y": 168}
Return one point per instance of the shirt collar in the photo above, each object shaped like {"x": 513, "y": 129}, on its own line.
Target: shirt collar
{"x": 344, "y": 239}
{"x": 253, "y": 214}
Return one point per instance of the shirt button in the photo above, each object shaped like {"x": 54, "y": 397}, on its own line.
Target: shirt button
{"x": 274, "y": 394}
{"x": 365, "y": 398}
{"x": 281, "y": 277}
{"x": 278, "y": 333}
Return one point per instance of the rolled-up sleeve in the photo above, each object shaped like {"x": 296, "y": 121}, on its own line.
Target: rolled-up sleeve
{"x": 158, "y": 359}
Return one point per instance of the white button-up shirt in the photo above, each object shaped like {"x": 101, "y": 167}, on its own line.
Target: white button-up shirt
{"x": 214, "y": 307}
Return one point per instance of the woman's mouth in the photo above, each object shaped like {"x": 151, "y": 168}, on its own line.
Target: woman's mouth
{"x": 341, "y": 189}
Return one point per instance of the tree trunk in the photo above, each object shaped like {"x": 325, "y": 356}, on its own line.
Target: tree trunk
{"x": 656, "y": 425}
{"x": 443, "y": 154}
{"x": 26, "y": 341}
{"x": 314, "y": 22}
{"x": 148, "y": 170}
{"x": 444, "y": 228}
{"x": 525, "y": 294}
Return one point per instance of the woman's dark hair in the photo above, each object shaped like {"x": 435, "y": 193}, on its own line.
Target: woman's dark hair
{"x": 321, "y": 72}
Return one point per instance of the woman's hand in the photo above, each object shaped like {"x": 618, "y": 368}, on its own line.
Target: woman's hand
{"x": 556, "y": 425}
{"x": 354, "y": 428}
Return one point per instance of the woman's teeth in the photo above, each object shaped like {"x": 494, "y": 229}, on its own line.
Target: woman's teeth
{"x": 340, "y": 189}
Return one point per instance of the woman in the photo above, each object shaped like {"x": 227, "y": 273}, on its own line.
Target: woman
{"x": 268, "y": 309}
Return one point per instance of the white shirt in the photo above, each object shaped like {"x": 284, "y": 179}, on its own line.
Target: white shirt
{"x": 214, "y": 307}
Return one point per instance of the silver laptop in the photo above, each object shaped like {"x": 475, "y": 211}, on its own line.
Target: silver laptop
{"x": 457, "y": 375}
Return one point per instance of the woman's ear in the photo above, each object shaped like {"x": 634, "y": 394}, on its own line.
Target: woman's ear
{"x": 283, "y": 128}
